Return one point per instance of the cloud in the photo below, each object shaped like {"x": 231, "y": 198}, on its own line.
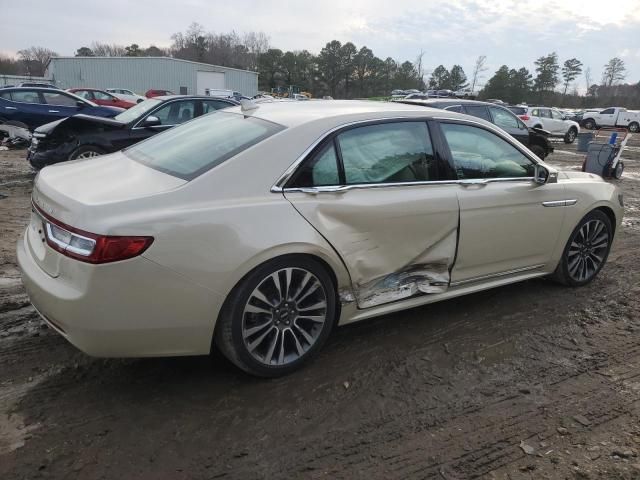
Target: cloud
{"x": 510, "y": 32}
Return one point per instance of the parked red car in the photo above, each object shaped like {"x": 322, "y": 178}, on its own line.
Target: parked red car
{"x": 101, "y": 97}
{"x": 157, "y": 93}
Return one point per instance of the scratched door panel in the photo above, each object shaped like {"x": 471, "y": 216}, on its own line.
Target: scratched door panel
{"x": 396, "y": 242}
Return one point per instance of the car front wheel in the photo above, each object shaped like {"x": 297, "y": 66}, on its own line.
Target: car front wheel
{"x": 86, "y": 151}
{"x": 570, "y": 136}
{"x": 278, "y": 317}
{"x": 586, "y": 251}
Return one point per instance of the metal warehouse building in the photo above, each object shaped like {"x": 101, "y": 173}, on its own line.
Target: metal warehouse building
{"x": 143, "y": 73}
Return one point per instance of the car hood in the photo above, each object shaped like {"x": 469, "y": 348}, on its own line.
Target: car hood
{"x": 573, "y": 175}
{"x": 541, "y": 131}
{"x": 80, "y": 191}
{"x": 79, "y": 118}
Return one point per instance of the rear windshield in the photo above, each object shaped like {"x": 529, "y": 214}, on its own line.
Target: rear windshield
{"x": 191, "y": 149}
{"x": 518, "y": 110}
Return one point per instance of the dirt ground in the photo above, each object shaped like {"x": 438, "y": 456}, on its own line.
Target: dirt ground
{"x": 529, "y": 381}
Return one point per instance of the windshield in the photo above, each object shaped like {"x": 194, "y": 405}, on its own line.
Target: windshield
{"x": 137, "y": 110}
{"x": 191, "y": 149}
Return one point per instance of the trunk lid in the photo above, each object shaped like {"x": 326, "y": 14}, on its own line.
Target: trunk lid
{"x": 77, "y": 193}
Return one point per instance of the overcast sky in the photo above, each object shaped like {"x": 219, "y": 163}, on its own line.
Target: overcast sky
{"x": 508, "y": 32}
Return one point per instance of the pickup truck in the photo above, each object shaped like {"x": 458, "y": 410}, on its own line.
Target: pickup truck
{"x": 612, "y": 117}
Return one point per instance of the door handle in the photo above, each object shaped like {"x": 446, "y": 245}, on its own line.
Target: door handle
{"x": 10, "y": 108}
{"x": 54, "y": 111}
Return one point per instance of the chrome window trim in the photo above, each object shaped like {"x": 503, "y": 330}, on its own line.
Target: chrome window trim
{"x": 496, "y": 275}
{"x": 278, "y": 186}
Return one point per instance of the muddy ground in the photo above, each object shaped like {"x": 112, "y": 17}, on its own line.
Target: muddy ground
{"x": 528, "y": 381}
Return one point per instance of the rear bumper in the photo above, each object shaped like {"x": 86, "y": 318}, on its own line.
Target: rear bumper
{"x": 133, "y": 308}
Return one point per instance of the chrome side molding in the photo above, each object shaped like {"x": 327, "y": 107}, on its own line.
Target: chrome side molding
{"x": 560, "y": 203}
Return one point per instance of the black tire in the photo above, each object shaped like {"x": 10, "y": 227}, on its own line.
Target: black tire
{"x": 589, "y": 124}
{"x": 15, "y": 123}
{"x": 86, "y": 151}
{"x": 563, "y": 273}
{"x": 540, "y": 152}
{"x": 617, "y": 172}
{"x": 228, "y": 336}
{"x": 570, "y": 136}
{"x": 634, "y": 127}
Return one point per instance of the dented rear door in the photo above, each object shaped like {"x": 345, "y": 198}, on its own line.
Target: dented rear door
{"x": 374, "y": 193}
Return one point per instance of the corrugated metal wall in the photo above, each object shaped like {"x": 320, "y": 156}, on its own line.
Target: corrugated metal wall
{"x": 143, "y": 73}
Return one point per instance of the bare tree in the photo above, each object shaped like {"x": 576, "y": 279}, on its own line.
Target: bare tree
{"x": 477, "y": 71}
{"x": 419, "y": 69}
{"x": 35, "y": 59}
{"x": 108, "y": 49}
{"x": 614, "y": 71}
{"x": 587, "y": 77}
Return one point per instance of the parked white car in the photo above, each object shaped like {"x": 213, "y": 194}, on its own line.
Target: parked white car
{"x": 257, "y": 229}
{"x": 549, "y": 119}
{"x": 126, "y": 94}
{"x": 465, "y": 93}
{"x": 613, "y": 117}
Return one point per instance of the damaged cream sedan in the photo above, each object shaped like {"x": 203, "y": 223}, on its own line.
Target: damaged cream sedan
{"x": 259, "y": 228}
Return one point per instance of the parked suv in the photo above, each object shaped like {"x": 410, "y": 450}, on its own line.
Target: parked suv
{"x": 537, "y": 141}
{"x": 549, "y": 119}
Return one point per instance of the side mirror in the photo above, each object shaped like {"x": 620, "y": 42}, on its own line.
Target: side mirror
{"x": 540, "y": 174}
{"x": 80, "y": 104}
{"x": 151, "y": 121}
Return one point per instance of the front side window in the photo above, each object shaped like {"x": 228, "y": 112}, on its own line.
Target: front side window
{"x": 478, "y": 111}
{"x": 608, "y": 111}
{"x": 59, "y": 99}
{"x": 504, "y": 119}
{"x": 477, "y": 153}
{"x": 25, "y": 96}
{"x": 189, "y": 150}
{"x": 175, "y": 113}
{"x": 387, "y": 153}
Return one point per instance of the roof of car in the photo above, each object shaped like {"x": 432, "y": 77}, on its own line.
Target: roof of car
{"x": 44, "y": 89}
{"x": 203, "y": 97}
{"x": 292, "y": 113}
{"x": 452, "y": 101}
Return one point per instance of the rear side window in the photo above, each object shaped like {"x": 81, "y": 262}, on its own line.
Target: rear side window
{"x": 213, "y": 105}
{"x": 190, "y": 150}
{"x": 545, "y": 113}
{"x": 503, "y": 119}
{"x": 518, "y": 110}
{"x": 25, "y": 96}
{"x": 478, "y": 111}
{"x": 175, "y": 113}
{"x": 387, "y": 153}
{"x": 321, "y": 170}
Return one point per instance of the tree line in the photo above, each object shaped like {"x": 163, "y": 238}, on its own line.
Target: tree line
{"x": 343, "y": 70}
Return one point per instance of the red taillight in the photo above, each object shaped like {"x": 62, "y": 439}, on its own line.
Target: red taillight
{"x": 89, "y": 247}
{"x": 524, "y": 117}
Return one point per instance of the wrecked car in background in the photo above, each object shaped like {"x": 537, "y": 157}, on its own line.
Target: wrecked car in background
{"x": 85, "y": 136}
{"x": 259, "y": 228}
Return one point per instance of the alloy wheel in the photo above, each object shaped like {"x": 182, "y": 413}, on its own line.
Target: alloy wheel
{"x": 284, "y": 316}
{"x": 572, "y": 135}
{"x": 588, "y": 250}
{"x": 88, "y": 154}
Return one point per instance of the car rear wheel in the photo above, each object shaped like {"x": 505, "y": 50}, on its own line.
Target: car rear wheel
{"x": 278, "y": 317}
{"x": 86, "y": 151}
{"x": 539, "y": 151}
{"x": 634, "y": 127}
{"x": 570, "y": 136}
{"x": 586, "y": 251}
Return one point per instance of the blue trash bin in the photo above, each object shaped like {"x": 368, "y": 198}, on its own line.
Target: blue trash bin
{"x": 583, "y": 141}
